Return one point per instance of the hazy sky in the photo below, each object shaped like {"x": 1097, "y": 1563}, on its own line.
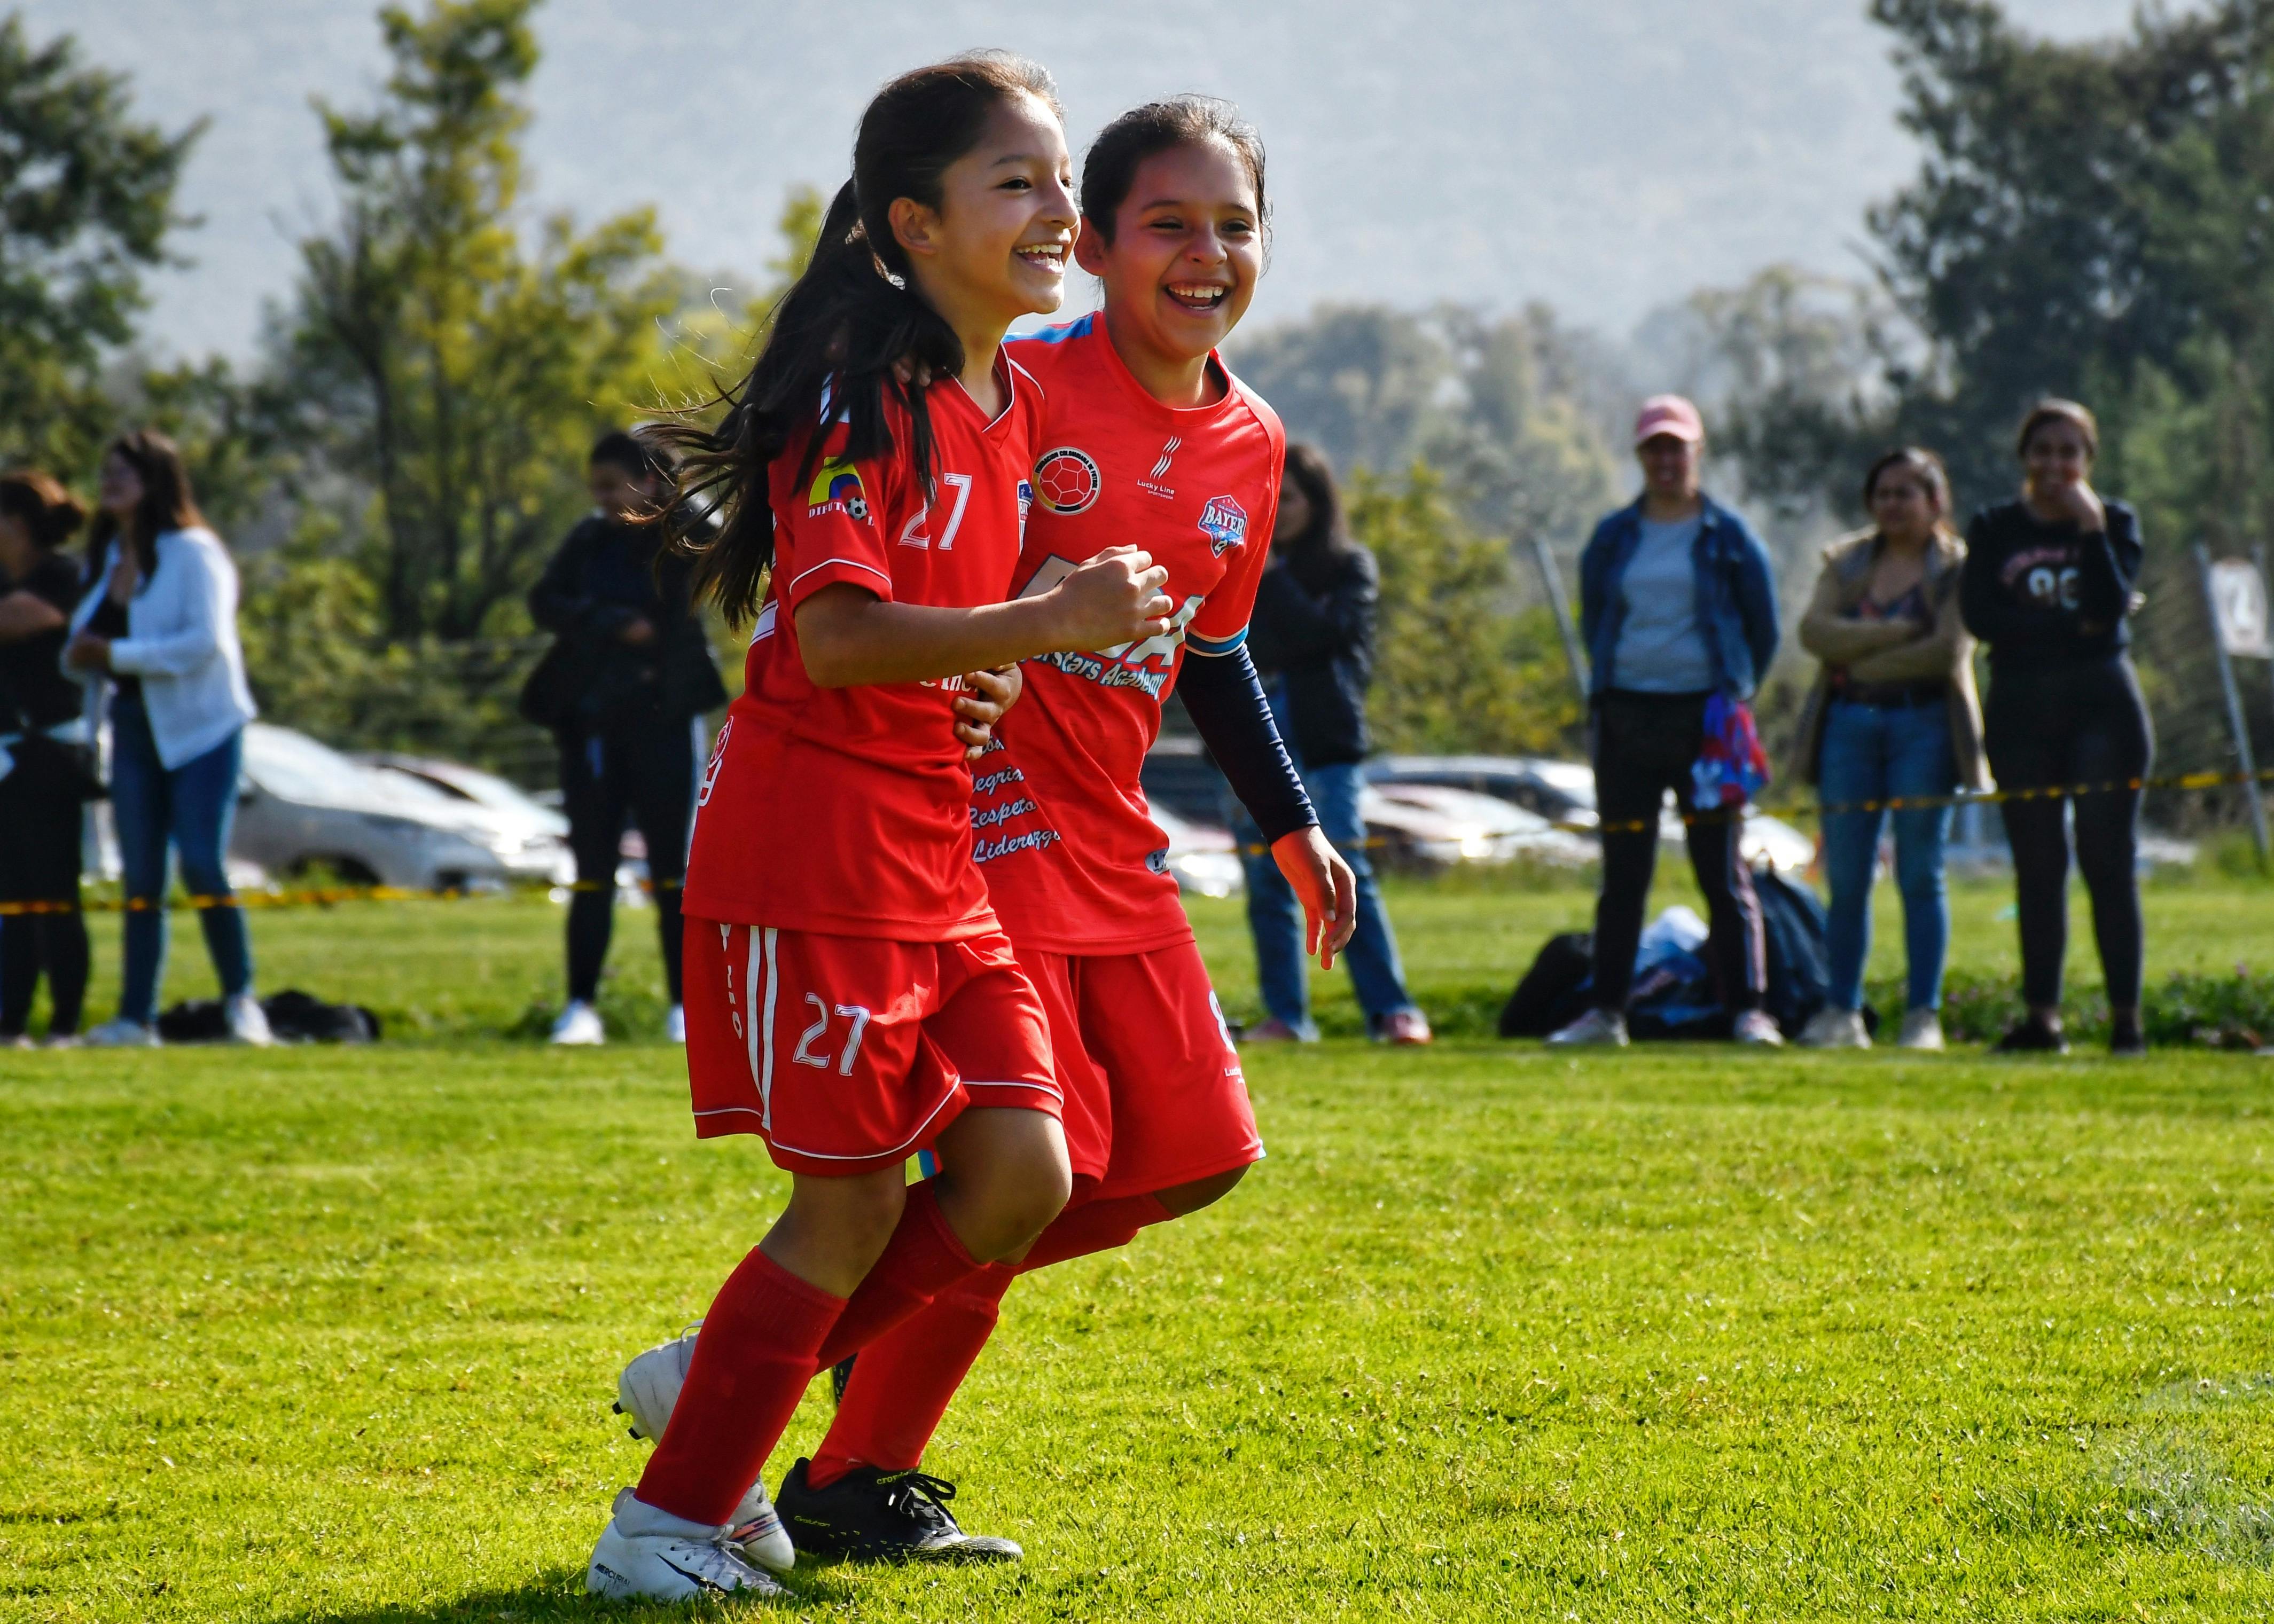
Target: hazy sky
{"x": 1606, "y": 158}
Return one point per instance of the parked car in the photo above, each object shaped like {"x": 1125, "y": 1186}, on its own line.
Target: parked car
{"x": 1564, "y": 793}
{"x": 303, "y": 806}
{"x": 1205, "y": 860}
{"x": 1425, "y": 827}
{"x": 531, "y": 837}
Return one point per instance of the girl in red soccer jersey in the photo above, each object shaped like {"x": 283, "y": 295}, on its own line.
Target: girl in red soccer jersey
{"x": 850, "y": 994}
{"x": 1145, "y": 437}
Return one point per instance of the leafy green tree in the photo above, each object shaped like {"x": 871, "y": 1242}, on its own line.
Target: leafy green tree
{"x": 86, "y": 201}
{"x": 458, "y": 369}
{"x": 1458, "y": 667}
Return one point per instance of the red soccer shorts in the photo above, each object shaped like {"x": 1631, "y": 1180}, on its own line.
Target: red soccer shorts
{"x": 1153, "y": 1093}
{"x": 847, "y": 1053}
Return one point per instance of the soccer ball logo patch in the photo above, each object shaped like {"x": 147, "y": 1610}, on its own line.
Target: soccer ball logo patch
{"x": 1066, "y": 481}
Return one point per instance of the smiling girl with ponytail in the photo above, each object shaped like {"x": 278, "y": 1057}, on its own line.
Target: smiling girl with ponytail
{"x": 850, "y": 996}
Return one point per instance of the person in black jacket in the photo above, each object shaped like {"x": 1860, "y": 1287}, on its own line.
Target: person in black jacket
{"x": 624, "y": 690}
{"x": 2048, "y": 589}
{"x": 45, "y": 775}
{"x": 1312, "y": 636}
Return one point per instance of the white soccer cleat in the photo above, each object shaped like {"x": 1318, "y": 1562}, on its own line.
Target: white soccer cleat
{"x": 675, "y": 1024}
{"x": 646, "y": 1392}
{"x": 579, "y": 1024}
{"x": 648, "y": 1555}
{"x": 650, "y": 1386}
{"x": 247, "y": 1021}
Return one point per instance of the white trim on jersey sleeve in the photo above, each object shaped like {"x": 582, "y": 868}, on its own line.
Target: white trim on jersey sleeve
{"x": 853, "y": 563}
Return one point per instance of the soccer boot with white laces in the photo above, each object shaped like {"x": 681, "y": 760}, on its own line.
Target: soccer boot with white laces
{"x": 873, "y": 1515}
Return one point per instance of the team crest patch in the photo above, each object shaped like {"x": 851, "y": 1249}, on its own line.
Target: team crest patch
{"x": 837, "y": 488}
{"x": 1066, "y": 481}
{"x": 1225, "y": 523}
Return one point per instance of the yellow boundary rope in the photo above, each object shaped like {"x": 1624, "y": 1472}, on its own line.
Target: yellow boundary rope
{"x": 323, "y": 897}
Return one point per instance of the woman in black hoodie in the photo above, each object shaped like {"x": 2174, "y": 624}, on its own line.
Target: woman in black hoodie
{"x": 1312, "y": 635}
{"x": 2048, "y": 589}
{"x": 624, "y": 690}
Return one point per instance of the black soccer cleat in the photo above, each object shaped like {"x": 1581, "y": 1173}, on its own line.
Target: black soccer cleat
{"x": 840, "y": 1376}
{"x": 872, "y": 1515}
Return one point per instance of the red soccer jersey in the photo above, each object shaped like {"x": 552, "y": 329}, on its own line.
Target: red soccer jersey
{"x": 1073, "y": 858}
{"x": 846, "y": 811}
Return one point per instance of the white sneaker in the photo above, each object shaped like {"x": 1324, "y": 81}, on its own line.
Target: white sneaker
{"x": 1757, "y": 1026}
{"x": 1830, "y": 1029}
{"x": 1922, "y": 1029}
{"x": 675, "y": 1024}
{"x": 580, "y": 1024}
{"x": 248, "y": 1022}
{"x": 647, "y": 1391}
{"x": 1606, "y": 1027}
{"x": 650, "y": 1555}
{"x": 122, "y": 1033}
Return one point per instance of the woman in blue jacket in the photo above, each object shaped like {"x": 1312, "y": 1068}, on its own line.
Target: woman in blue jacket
{"x": 1677, "y": 606}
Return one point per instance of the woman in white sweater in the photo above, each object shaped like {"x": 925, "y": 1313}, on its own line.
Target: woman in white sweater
{"x": 156, "y": 640}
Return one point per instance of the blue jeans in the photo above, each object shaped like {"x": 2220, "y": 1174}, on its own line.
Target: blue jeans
{"x": 1276, "y": 918}
{"x": 1872, "y": 752}
{"x": 189, "y": 807}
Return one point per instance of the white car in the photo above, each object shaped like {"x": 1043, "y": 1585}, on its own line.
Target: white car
{"x": 1205, "y": 860}
{"x": 1428, "y": 826}
{"x": 1564, "y": 794}
{"x": 532, "y": 838}
{"x": 303, "y": 806}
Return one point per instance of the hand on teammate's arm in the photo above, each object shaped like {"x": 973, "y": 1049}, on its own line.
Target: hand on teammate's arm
{"x": 88, "y": 652}
{"x": 1324, "y": 885}
{"x": 850, "y": 636}
{"x": 991, "y": 694}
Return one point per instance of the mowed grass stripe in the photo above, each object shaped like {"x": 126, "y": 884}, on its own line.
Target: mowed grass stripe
{"x": 1493, "y": 1333}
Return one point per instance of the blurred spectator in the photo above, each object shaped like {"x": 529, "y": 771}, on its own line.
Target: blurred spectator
{"x": 1679, "y": 611}
{"x": 2048, "y": 589}
{"x": 623, "y": 688}
{"x": 1892, "y": 715}
{"x": 156, "y": 638}
{"x": 46, "y": 771}
{"x": 1312, "y": 637}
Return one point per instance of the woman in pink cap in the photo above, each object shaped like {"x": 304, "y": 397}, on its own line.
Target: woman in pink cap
{"x": 1677, "y": 608}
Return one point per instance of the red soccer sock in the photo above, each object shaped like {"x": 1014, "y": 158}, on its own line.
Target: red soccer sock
{"x": 922, "y": 1258}
{"x": 1094, "y": 1226}
{"x": 904, "y": 1382}
{"x": 750, "y": 1367}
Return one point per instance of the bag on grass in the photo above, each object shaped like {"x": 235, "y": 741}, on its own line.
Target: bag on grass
{"x": 294, "y": 1017}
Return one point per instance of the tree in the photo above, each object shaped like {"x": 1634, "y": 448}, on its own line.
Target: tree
{"x": 433, "y": 354}
{"x": 87, "y": 200}
{"x": 1457, "y": 667}
{"x": 1510, "y": 411}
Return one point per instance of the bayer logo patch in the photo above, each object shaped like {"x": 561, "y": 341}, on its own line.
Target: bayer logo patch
{"x": 1066, "y": 481}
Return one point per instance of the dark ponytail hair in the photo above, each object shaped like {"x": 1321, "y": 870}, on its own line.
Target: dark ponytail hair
{"x": 1314, "y": 554}
{"x": 851, "y": 333}
{"x": 166, "y": 503}
{"x": 1108, "y": 169}
{"x": 39, "y": 502}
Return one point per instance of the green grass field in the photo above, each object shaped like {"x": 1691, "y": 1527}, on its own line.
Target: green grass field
{"x": 1674, "y": 1333}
